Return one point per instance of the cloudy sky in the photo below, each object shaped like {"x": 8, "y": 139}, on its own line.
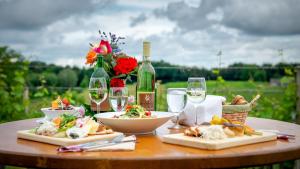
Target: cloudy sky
{"x": 185, "y": 32}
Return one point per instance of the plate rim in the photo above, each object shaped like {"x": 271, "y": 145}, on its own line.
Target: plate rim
{"x": 111, "y": 118}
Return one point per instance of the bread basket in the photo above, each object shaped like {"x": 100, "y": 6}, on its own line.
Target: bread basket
{"x": 238, "y": 113}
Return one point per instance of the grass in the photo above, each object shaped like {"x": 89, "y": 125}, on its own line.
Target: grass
{"x": 227, "y": 89}
{"x": 271, "y": 96}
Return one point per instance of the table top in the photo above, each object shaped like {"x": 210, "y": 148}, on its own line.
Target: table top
{"x": 150, "y": 151}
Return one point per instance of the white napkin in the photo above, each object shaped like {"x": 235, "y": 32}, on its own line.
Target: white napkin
{"x": 212, "y": 105}
{"x": 126, "y": 146}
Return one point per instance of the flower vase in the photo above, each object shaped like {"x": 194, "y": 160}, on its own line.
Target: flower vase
{"x": 99, "y": 72}
{"x": 104, "y": 106}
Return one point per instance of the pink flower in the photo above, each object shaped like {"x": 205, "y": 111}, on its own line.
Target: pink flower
{"x": 104, "y": 48}
{"x": 131, "y": 99}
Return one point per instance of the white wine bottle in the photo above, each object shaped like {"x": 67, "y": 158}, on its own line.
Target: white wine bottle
{"x": 146, "y": 81}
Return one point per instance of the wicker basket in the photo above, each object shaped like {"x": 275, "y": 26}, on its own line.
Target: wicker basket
{"x": 238, "y": 113}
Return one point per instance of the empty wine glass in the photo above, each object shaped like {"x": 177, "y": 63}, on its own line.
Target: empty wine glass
{"x": 176, "y": 99}
{"x": 118, "y": 97}
{"x": 98, "y": 91}
{"x": 196, "y": 92}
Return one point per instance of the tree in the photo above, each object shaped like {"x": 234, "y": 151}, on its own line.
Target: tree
{"x": 51, "y": 79}
{"x": 85, "y": 82}
{"x": 13, "y": 70}
{"x": 260, "y": 75}
{"x": 67, "y": 78}
{"x": 33, "y": 80}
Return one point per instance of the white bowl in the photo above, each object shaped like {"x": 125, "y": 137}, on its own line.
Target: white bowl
{"x": 134, "y": 125}
{"x": 50, "y": 114}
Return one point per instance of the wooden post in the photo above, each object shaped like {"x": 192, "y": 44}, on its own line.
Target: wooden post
{"x": 298, "y": 93}
{"x": 26, "y": 99}
{"x": 297, "y": 162}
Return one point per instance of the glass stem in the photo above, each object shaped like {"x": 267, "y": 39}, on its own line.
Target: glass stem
{"x": 196, "y": 120}
{"x": 98, "y": 107}
{"x": 177, "y": 119}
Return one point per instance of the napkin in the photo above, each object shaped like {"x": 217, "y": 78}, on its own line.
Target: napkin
{"x": 126, "y": 146}
{"x": 211, "y": 106}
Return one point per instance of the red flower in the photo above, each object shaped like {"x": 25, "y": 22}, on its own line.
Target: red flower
{"x": 116, "y": 82}
{"x": 103, "y": 48}
{"x": 125, "y": 65}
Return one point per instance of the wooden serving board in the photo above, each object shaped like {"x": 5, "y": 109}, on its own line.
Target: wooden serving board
{"x": 26, "y": 134}
{"x": 196, "y": 142}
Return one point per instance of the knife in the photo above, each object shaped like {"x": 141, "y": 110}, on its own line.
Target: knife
{"x": 81, "y": 147}
{"x": 96, "y": 148}
{"x": 108, "y": 143}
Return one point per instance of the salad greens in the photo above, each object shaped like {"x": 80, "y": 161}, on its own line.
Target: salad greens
{"x": 135, "y": 111}
{"x": 67, "y": 121}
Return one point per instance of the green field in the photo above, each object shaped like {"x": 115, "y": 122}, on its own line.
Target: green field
{"x": 272, "y": 104}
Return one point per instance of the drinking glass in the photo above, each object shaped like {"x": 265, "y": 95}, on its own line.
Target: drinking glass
{"x": 176, "y": 99}
{"x": 196, "y": 93}
{"x": 118, "y": 97}
{"x": 98, "y": 91}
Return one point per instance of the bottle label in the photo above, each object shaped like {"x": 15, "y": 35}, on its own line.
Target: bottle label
{"x": 146, "y": 100}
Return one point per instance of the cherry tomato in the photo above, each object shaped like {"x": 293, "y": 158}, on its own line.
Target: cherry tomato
{"x": 66, "y": 101}
{"x": 148, "y": 113}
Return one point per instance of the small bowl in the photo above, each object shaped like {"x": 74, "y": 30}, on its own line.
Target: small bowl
{"x": 50, "y": 114}
{"x": 134, "y": 125}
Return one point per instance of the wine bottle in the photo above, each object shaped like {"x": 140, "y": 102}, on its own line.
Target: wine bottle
{"x": 146, "y": 81}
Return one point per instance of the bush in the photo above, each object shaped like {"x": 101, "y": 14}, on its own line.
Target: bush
{"x": 13, "y": 70}
{"x": 51, "y": 79}
{"x": 67, "y": 78}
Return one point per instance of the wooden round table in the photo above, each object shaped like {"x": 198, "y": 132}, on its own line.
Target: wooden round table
{"x": 150, "y": 151}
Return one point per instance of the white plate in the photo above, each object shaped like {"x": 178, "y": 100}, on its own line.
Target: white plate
{"x": 50, "y": 114}
{"x": 134, "y": 125}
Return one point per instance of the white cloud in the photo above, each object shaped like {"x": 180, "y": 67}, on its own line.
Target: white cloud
{"x": 65, "y": 41}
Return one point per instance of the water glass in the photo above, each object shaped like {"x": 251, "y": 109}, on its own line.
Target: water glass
{"x": 118, "y": 97}
{"x": 176, "y": 99}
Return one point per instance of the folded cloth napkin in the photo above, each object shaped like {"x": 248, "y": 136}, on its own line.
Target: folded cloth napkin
{"x": 212, "y": 105}
{"x": 126, "y": 144}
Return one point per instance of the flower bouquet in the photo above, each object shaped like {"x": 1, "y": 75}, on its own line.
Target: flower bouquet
{"x": 118, "y": 65}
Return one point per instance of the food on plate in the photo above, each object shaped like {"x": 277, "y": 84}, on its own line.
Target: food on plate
{"x": 135, "y": 111}
{"x": 216, "y": 120}
{"x": 72, "y": 127}
{"x": 238, "y": 100}
{"x": 47, "y": 129}
{"x": 193, "y": 131}
{"x": 102, "y": 129}
{"x": 221, "y": 128}
{"x": 61, "y": 104}
{"x": 77, "y": 132}
{"x": 213, "y": 132}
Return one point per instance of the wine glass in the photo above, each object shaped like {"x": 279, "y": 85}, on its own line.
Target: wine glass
{"x": 176, "y": 99}
{"x": 196, "y": 92}
{"x": 118, "y": 97}
{"x": 98, "y": 91}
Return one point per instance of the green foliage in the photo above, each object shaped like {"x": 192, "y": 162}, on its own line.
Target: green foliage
{"x": 85, "y": 82}
{"x": 88, "y": 110}
{"x": 13, "y": 69}
{"x": 50, "y": 78}
{"x": 67, "y": 78}
{"x": 33, "y": 80}
{"x": 260, "y": 75}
